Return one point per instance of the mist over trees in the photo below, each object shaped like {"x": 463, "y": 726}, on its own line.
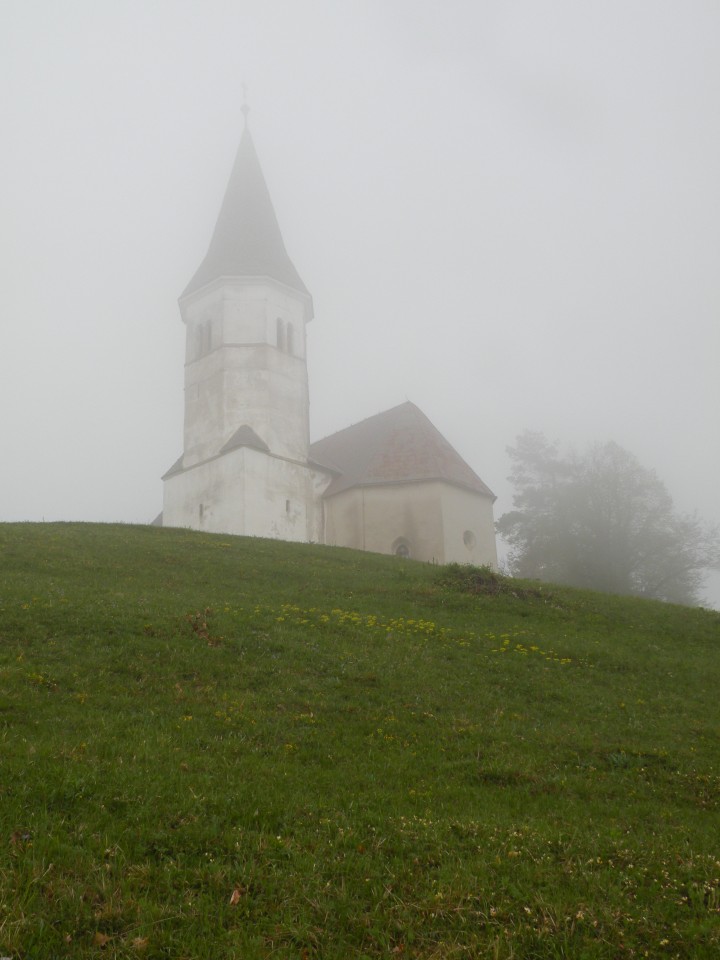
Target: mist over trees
{"x": 602, "y": 521}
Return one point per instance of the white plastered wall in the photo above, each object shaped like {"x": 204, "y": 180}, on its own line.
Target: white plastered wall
{"x": 245, "y": 364}
{"x": 431, "y": 517}
{"x": 246, "y": 492}
{"x": 468, "y": 527}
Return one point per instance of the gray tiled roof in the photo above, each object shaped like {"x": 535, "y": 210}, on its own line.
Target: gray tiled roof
{"x": 247, "y": 240}
{"x": 398, "y": 446}
{"x": 245, "y": 436}
{"x": 177, "y": 467}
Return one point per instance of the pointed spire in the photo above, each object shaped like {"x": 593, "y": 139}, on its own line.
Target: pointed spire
{"x": 247, "y": 240}
{"x": 245, "y": 108}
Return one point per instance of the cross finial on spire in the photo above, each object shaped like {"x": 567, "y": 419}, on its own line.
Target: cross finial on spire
{"x": 245, "y": 108}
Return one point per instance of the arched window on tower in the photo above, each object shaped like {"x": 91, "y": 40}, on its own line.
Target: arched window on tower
{"x": 280, "y": 334}
{"x": 203, "y": 338}
{"x": 289, "y": 338}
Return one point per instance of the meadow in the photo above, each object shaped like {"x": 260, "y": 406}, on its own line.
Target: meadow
{"x": 216, "y": 747}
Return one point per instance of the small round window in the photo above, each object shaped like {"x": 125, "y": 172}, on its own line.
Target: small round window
{"x": 469, "y": 539}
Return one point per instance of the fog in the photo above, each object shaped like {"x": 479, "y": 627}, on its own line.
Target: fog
{"x": 506, "y": 212}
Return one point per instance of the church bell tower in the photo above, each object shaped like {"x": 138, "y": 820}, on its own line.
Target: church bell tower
{"x": 244, "y": 467}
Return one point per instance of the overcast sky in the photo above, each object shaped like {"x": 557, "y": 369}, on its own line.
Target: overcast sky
{"x": 507, "y": 212}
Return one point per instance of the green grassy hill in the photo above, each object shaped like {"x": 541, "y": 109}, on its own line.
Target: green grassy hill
{"x": 217, "y": 747}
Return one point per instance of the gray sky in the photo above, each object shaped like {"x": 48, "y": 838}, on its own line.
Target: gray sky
{"x": 507, "y": 212}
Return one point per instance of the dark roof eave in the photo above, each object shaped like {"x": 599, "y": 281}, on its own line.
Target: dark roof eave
{"x": 191, "y": 292}
{"x": 324, "y": 467}
{"x": 487, "y": 492}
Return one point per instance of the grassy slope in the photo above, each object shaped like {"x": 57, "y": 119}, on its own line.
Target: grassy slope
{"x": 217, "y": 747}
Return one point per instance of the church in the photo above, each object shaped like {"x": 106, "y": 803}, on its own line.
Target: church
{"x": 389, "y": 484}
